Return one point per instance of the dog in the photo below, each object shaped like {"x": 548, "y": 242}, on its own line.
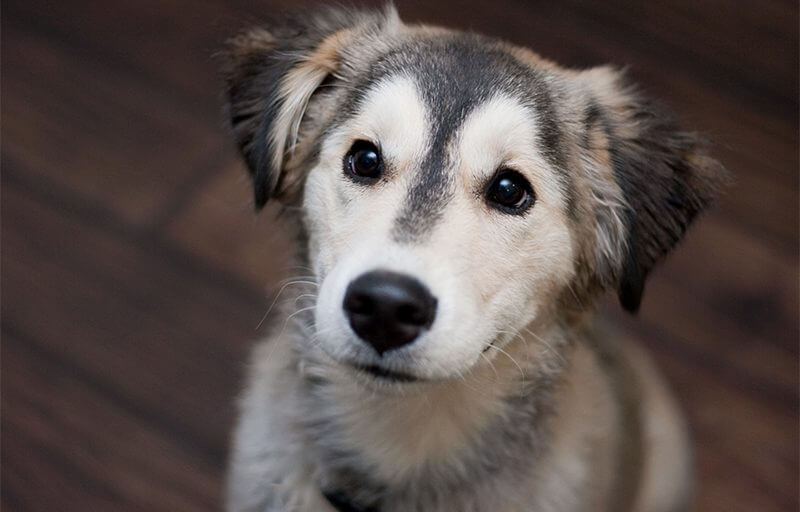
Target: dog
{"x": 461, "y": 203}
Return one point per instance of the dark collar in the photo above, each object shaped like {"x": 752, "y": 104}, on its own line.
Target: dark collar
{"x": 342, "y": 502}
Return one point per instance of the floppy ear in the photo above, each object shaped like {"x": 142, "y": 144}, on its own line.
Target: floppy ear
{"x": 273, "y": 76}
{"x": 664, "y": 175}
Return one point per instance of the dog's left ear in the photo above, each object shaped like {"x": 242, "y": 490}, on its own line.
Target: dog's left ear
{"x": 665, "y": 175}
{"x": 274, "y": 76}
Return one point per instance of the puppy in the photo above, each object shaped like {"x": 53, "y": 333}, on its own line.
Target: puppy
{"x": 462, "y": 203}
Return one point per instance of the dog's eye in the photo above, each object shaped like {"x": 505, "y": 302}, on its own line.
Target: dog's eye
{"x": 510, "y": 192}
{"x": 363, "y": 161}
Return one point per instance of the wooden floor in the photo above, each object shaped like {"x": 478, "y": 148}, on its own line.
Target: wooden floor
{"x": 134, "y": 272}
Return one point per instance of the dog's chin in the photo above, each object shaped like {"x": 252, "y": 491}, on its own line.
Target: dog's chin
{"x": 384, "y": 374}
{"x": 380, "y": 378}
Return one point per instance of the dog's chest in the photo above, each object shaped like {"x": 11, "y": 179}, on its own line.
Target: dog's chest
{"x": 427, "y": 452}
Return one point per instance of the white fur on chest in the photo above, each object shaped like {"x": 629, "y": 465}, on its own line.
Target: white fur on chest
{"x": 403, "y": 436}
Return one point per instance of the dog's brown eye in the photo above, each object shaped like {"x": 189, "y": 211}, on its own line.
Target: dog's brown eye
{"x": 363, "y": 161}
{"x": 510, "y": 192}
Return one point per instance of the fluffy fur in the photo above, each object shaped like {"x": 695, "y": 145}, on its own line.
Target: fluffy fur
{"x": 514, "y": 404}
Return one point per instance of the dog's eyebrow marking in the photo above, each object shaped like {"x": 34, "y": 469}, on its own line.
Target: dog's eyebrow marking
{"x": 394, "y": 113}
{"x": 500, "y": 130}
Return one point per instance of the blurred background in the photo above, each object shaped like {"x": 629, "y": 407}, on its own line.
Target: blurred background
{"x": 135, "y": 273}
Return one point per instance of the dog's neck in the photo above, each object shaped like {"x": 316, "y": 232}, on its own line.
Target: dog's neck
{"x": 434, "y": 434}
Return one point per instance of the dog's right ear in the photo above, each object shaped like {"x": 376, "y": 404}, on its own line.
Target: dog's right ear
{"x": 272, "y": 74}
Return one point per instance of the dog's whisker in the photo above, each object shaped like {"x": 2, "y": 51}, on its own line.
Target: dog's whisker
{"x": 277, "y": 296}
{"x": 518, "y": 335}
{"x": 292, "y": 278}
{"x": 315, "y": 339}
{"x": 310, "y": 280}
{"x": 298, "y": 266}
{"x": 318, "y": 333}
{"x": 491, "y": 364}
{"x": 547, "y": 345}
{"x": 510, "y": 357}
{"x": 293, "y": 315}
{"x": 279, "y": 337}
{"x": 303, "y": 296}
{"x": 465, "y": 382}
{"x": 578, "y": 300}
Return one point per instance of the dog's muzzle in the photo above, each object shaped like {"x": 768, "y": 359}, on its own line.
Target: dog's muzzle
{"x": 388, "y": 310}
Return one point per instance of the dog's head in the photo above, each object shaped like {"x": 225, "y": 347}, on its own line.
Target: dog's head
{"x": 455, "y": 189}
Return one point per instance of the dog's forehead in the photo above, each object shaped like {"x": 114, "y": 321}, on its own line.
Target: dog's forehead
{"x": 454, "y": 73}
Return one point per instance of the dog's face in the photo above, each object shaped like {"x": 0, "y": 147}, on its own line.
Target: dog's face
{"x": 456, "y": 190}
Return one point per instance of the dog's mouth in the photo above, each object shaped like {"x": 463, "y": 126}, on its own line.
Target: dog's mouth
{"x": 384, "y": 374}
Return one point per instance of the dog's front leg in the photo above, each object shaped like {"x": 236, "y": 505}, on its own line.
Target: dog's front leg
{"x": 268, "y": 472}
{"x": 264, "y": 486}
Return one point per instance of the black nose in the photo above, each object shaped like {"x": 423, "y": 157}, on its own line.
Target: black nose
{"x": 388, "y": 310}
